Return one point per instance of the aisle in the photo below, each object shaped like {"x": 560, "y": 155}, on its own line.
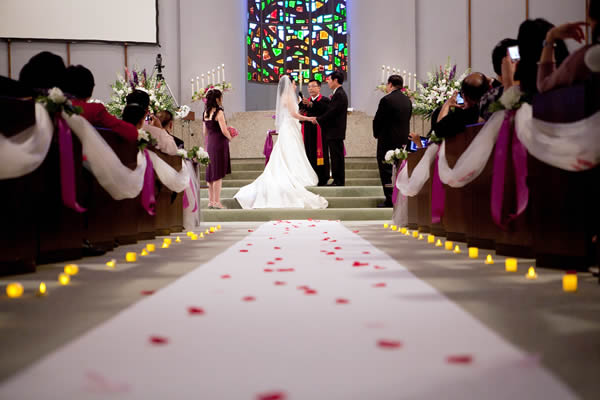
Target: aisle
{"x": 297, "y": 310}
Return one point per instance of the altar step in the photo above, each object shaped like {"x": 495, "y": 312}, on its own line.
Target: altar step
{"x": 240, "y": 175}
{"x": 325, "y": 191}
{"x": 237, "y": 183}
{"x": 273, "y": 214}
{"x": 334, "y": 202}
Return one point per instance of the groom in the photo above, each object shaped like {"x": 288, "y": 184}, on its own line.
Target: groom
{"x": 333, "y": 123}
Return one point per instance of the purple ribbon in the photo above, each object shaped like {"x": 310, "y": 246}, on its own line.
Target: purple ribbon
{"x": 438, "y": 194}
{"x": 148, "y": 200}
{"x": 67, "y": 165}
{"x": 396, "y": 191}
{"x": 268, "y": 146}
{"x": 186, "y": 202}
{"x": 519, "y": 154}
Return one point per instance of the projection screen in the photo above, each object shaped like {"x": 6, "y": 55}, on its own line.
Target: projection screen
{"x": 132, "y": 21}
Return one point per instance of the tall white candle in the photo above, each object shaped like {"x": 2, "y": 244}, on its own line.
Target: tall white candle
{"x": 383, "y": 74}
{"x": 213, "y": 77}
{"x": 197, "y": 83}
{"x": 219, "y": 74}
{"x": 388, "y": 71}
{"x": 415, "y": 82}
{"x": 223, "y": 68}
{"x": 202, "y": 80}
{"x": 406, "y": 82}
{"x": 192, "y": 81}
{"x": 208, "y": 78}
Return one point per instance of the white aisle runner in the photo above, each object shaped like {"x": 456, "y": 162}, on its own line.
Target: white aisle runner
{"x": 354, "y": 324}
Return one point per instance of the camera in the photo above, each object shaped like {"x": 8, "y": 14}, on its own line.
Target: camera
{"x": 513, "y": 52}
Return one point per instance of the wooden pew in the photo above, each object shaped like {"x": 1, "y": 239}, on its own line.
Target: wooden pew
{"x": 18, "y": 236}
{"x": 168, "y": 215}
{"x": 413, "y": 204}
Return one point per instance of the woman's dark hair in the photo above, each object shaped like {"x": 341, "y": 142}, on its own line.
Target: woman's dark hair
{"x": 133, "y": 113}
{"x": 165, "y": 117}
{"x": 396, "y": 81}
{"x": 140, "y": 98}
{"x": 499, "y": 53}
{"x": 338, "y": 76}
{"x": 79, "y": 81}
{"x": 594, "y": 13}
{"x": 211, "y": 101}
{"x": 532, "y": 34}
{"x": 45, "y": 70}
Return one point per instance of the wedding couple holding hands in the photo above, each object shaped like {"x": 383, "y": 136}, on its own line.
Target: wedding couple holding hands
{"x": 303, "y": 155}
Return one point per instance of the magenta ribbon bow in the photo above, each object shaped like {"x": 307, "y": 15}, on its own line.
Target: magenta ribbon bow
{"x": 67, "y": 165}
{"x": 148, "y": 200}
{"x": 396, "y": 191}
{"x": 507, "y": 136}
{"x": 186, "y": 202}
{"x": 268, "y": 148}
{"x": 438, "y": 194}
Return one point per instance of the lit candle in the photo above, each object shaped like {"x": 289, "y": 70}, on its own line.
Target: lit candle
{"x": 165, "y": 245}
{"x": 190, "y": 234}
{"x": 415, "y": 82}
{"x": 178, "y": 240}
{"x": 489, "y": 260}
{"x": 64, "y": 279}
{"x": 131, "y": 257}
{"x": 208, "y": 81}
{"x": 456, "y": 249}
{"x": 42, "y": 290}
{"x": 511, "y": 265}
{"x": 386, "y": 226}
{"x": 394, "y": 228}
{"x": 14, "y": 290}
{"x": 168, "y": 241}
{"x": 197, "y": 84}
{"x": 202, "y": 80}
{"x": 388, "y": 71}
{"x": 144, "y": 253}
{"x": 194, "y": 237}
{"x": 223, "y": 68}
{"x": 531, "y": 274}
{"x": 407, "y": 233}
{"x": 192, "y": 82}
{"x": 449, "y": 245}
{"x": 383, "y": 74}
{"x": 150, "y": 247}
{"x": 438, "y": 243}
{"x": 219, "y": 227}
{"x": 219, "y": 74}
{"x": 213, "y": 77}
{"x": 473, "y": 252}
{"x": 570, "y": 282}
{"x": 415, "y": 234}
{"x": 111, "y": 263}
{"x": 430, "y": 239}
{"x": 421, "y": 237}
{"x": 403, "y": 230}
{"x": 71, "y": 269}
{"x": 212, "y": 229}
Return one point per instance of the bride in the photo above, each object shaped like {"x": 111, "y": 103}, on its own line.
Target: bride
{"x": 288, "y": 172}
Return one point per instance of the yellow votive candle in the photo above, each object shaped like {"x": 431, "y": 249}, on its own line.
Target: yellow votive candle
{"x": 473, "y": 252}
{"x": 456, "y": 249}
{"x": 201, "y": 236}
{"x": 111, "y": 263}
{"x": 207, "y": 232}
{"x": 430, "y": 239}
{"x": 150, "y": 247}
{"x": 394, "y": 228}
{"x": 570, "y": 283}
{"x": 489, "y": 260}
{"x": 144, "y": 253}
{"x": 219, "y": 227}
{"x": 168, "y": 241}
{"x": 449, "y": 245}
{"x": 178, "y": 240}
{"x": 403, "y": 230}
{"x": 165, "y": 245}
{"x": 212, "y": 229}
{"x": 511, "y": 265}
{"x": 71, "y": 269}
{"x": 64, "y": 279}
{"x": 438, "y": 243}
{"x": 194, "y": 237}
{"x": 14, "y": 290}
{"x": 531, "y": 274}
{"x": 415, "y": 234}
{"x": 190, "y": 234}
{"x": 421, "y": 237}
{"x": 132, "y": 257}
{"x": 42, "y": 289}
{"x": 385, "y": 226}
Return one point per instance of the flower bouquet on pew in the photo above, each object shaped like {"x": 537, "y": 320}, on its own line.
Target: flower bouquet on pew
{"x": 512, "y": 99}
{"x": 433, "y": 138}
{"x": 195, "y": 154}
{"x": 201, "y": 94}
{"x": 394, "y": 156}
{"x": 144, "y": 139}
{"x": 56, "y": 102}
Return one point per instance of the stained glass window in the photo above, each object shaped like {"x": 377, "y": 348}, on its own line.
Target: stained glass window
{"x": 285, "y": 36}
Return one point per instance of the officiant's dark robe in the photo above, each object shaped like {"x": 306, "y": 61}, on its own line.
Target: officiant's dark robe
{"x": 310, "y": 132}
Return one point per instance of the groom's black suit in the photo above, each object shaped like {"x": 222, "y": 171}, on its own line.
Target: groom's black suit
{"x": 333, "y": 123}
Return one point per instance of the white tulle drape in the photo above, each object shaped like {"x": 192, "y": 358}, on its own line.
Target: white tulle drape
{"x": 24, "y": 152}
{"x": 175, "y": 181}
{"x": 413, "y": 185}
{"x": 192, "y": 216}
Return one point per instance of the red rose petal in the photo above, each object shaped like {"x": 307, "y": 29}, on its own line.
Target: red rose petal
{"x": 323, "y": 251}
{"x": 378, "y": 285}
{"x": 355, "y": 231}
{"x": 310, "y": 291}
{"x": 459, "y": 359}
{"x": 271, "y": 238}
{"x": 225, "y": 276}
{"x": 243, "y": 251}
{"x": 389, "y": 344}
{"x": 330, "y": 253}
{"x": 285, "y": 270}
{"x": 279, "y": 283}
{"x": 271, "y": 263}
{"x": 339, "y": 259}
{"x": 158, "y": 340}
{"x": 333, "y": 241}
{"x": 268, "y": 270}
{"x": 366, "y": 252}
{"x": 303, "y": 287}
{"x": 278, "y": 259}
{"x": 249, "y": 244}
{"x": 147, "y": 292}
{"x": 277, "y": 248}
{"x": 359, "y": 264}
{"x": 249, "y": 298}
{"x": 250, "y": 230}
{"x": 195, "y": 311}
{"x": 337, "y": 248}
{"x": 342, "y": 301}
{"x": 271, "y": 396}
{"x": 324, "y": 233}
{"x": 378, "y": 267}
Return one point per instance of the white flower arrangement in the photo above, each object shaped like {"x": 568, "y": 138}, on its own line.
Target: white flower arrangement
{"x": 439, "y": 87}
{"x": 57, "y": 96}
{"x": 201, "y": 94}
{"x": 56, "y": 102}
{"x": 196, "y": 154}
{"x": 396, "y": 155}
{"x": 511, "y": 99}
{"x": 183, "y": 112}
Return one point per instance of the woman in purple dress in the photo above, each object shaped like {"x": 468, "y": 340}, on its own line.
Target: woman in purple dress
{"x": 217, "y": 145}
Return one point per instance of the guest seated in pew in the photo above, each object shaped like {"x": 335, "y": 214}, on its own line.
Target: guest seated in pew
{"x": 452, "y": 118}
{"x": 166, "y": 122}
{"x": 505, "y": 68}
{"x": 80, "y": 84}
{"x": 575, "y": 68}
{"x": 43, "y": 71}
{"x": 165, "y": 142}
{"x": 532, "y": 34}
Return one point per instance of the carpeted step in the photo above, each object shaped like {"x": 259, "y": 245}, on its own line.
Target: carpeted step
{"x": 349, "y": 182}
{"x": 325, "y": 191}
{"x": 259, "y": 164}
{"x": 242, "y": 175}
{"x": 334, "y": 202}
{"x": 343, "y": 214}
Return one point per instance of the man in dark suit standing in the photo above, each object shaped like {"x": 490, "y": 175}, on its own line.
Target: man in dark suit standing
{"x": 333, "y": 123}
{"x": 391, "y": 129}
{"x": 315, "y": 106}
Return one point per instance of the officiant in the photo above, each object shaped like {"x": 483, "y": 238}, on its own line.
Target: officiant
{"x": 314, "y": 106}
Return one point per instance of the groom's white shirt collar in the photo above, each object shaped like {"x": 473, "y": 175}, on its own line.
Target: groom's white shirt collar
{"x": 335, "y": 90}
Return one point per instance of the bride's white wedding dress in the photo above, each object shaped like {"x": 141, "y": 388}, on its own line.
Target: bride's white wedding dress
{"x": 283, "y": 182}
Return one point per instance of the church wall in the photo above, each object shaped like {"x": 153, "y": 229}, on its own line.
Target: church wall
{"x": 559, "y": 12}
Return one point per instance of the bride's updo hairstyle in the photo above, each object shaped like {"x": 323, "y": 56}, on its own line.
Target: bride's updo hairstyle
{"x": 212, "y": 96}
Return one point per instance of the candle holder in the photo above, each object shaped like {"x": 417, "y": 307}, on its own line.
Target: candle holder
{"x": 510, "y": 265}
{"x": 194, "y": 237}
{"x": 385, "y": 226}
{"x": 570, "y": 282}
{"x": 219, "y": 227}
{"x": 14, "y": 290}
{"x": 421, "y": 237}
{"x": 42, "y": 290}
{"x": 449, "y": 245}
{"x": 189, "y": 234}
{"x": 132, "y": 257}
{"x": 473, "y": 252}
{"x": 212, "y": 229}
{"x": 457, "y": 249}
{"x": 151, "y": 247}
{"x": 430, "y": 239}
{"x": 112, "y": 263}
{"x": 71, "y": 269}
{"x": 168, "y": 241}
{"x": 64, "y": 279}
{"x": 439, "y": 243}
{"x": 489, "y": 260}
{"x": 415, "y": 234}
{"x": 394, "y": 228}
{"x": 403, "y": 230}
{"x": 531, "y": 274}
{"x": 165, "y": 245}
{"x": 178, "y": 240}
